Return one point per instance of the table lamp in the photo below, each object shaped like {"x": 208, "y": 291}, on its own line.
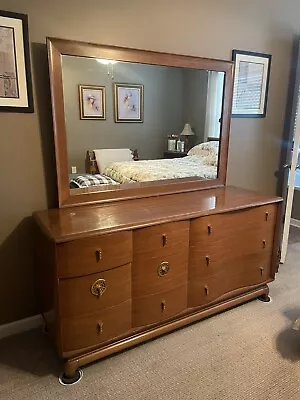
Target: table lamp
{"x": 187, "y": 131}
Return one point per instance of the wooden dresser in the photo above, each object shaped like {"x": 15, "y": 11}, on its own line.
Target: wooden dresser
{"x": 112, "y": 276}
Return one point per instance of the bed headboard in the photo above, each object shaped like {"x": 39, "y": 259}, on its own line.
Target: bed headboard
{"x": 91, "y": 166}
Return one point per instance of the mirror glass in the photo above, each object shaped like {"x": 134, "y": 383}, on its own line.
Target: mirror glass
{"x": 128, "y": 123}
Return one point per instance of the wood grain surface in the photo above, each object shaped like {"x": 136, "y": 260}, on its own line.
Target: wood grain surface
{"x": 158, "y": 307}
{"x": 67, "y": 224}
{"x": 82, "y": 257}
{"x": 84, "y": 331}
{"x": 76, "y": 298}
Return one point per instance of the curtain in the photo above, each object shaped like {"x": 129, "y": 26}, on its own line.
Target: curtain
{"x": 214, "y": 105}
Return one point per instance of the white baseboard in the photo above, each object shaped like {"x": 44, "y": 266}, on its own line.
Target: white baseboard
{"x": 295, "y": 222}
{"x": 20, "y": 326}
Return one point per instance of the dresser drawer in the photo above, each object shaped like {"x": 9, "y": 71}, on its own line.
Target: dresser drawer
{"x": 237, "y": 273}
{"x": 225, "y": 260}
{"x": 91, "y": 293}
{"x": 254, "y": 222}
{"x": 162, "y": 238}
{"x": 95, "y": 254}
{"x": 159, "y": 273}
{"x": 224, "y": 236}
{"x": 93, "y": 329}
{"x": 151, "y": 309}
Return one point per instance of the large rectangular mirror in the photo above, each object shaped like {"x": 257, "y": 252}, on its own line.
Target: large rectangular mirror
{"x": 130, "y": 123}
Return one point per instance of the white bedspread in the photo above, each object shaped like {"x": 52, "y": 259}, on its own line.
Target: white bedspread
{"x": 152, "y": 170}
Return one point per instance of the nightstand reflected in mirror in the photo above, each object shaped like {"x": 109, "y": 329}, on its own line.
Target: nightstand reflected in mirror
{"x": 174, "y": 154}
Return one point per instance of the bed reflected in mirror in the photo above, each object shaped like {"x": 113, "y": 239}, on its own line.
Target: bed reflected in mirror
{"x": 129, "y": 123}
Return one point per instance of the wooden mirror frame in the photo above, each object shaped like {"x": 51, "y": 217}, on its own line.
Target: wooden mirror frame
{"x": 59, "y": 47}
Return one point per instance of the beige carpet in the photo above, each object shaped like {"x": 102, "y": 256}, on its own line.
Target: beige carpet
{"x": 249, "y": 352}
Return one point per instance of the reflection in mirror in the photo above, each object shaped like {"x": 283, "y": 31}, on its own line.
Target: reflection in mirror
{"x": 129, "y": 122}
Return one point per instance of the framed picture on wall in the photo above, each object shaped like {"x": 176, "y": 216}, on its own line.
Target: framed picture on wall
{"x": 129, "y": 102}
{"x": 15, "y": 75}
{"x": 251, "y": 84}
{"x": 92, "y": 102}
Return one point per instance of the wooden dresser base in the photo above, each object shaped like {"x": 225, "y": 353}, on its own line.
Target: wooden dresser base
{"x": 72, "y": 364}
{"x": 113, "y": 276}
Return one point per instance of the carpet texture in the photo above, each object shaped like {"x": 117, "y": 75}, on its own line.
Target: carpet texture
{"x": 294, "y": 235}
{"x": 249, "y": 352}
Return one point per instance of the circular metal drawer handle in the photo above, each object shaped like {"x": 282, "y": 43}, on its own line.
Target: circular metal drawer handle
{"x": 98, "y": 287}
{"x": 163, "y": 269}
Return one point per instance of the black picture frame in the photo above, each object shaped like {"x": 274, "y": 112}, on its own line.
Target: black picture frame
{"x": 139, "y": 111}
{"x": 258, "y": 61}
{"x": 24, "y": 102}
{"x": 97, "y": 93}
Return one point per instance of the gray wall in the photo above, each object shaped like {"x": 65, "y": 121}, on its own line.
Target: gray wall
{"x": 195, "y": 92}
{"x": 214, "y": 28}
{"x": 163, "y": 110}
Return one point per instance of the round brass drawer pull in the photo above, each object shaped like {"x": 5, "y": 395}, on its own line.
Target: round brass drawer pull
{"x": 98, "y": 287}
{"x": 163, "y": 269}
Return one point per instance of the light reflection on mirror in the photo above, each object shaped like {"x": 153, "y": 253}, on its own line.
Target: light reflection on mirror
{"x": 130, "y": 122}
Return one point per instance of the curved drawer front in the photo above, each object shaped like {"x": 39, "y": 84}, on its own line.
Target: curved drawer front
{"x": 151, "y": 275}
{"x": 236, "y": 274}
{"x": 91, "y": 293}
{"x": 228, "y": 262}
{"x": 222, "y": 240}
{"x": 151, "y": 309}
{"x": 230, "y": 251}
{"x": 94, "y": 254}
{"x": 93, "y": 329}
{"x": 256, "y": 225}
{"x": 162, "y": 238}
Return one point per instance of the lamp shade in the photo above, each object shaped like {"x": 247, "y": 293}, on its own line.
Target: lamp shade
{"x": 187, "y": 130}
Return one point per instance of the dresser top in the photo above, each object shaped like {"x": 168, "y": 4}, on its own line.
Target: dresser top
{"x": 66, "y": 224}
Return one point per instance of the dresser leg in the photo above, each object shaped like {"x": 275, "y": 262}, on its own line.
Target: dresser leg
{"x": 70, "y": 378}
{"x": 265, "y": 298}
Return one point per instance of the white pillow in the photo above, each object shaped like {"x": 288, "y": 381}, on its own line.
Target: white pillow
{"x": 105, "y": 157}
{"x": 211, "y": 159}
{"x": 205, "y": 149}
